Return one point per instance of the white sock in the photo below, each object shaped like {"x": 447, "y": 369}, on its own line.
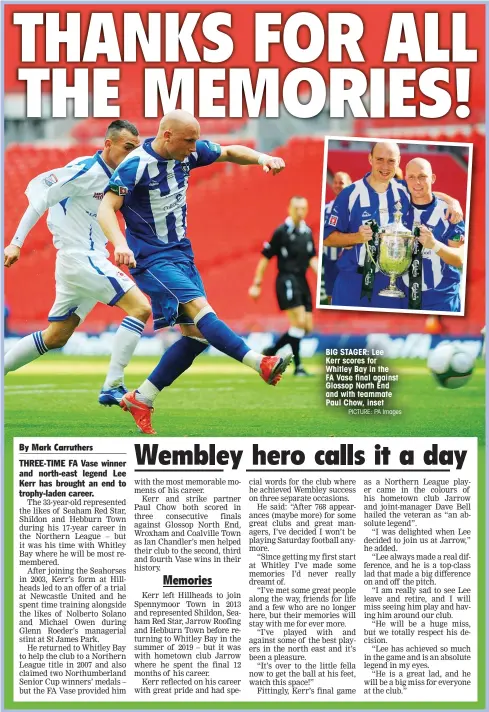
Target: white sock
{"x": 125, "y": 342}
{"x": 253, "y": 360}
{"x": 26, "y": 350}
{"x": 147, "y": 392}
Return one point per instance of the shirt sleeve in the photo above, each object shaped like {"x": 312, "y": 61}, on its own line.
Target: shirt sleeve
{"x": 125, "y": 178}
{"x": 339, "y": 218}
{"x": 207, "y": 153}
{"x": 454, "y": 233}
{"x": 272, "y": 248}
{"x": 49, "y": 188}
{"x": 28, "y": 220}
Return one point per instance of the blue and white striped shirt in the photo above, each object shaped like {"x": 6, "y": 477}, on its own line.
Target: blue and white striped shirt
{"x": 437, "y": 274}
{"x": 155, "y": 200}
{"x": 330, "y": 253}
{"x": 355, "y": 206}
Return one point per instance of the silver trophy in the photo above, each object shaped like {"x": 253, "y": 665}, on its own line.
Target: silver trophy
{"x": 395, "y": 253}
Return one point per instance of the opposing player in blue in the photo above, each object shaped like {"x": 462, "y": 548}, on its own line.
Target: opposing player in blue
{"x": 377, "y": 196}
{"x": 150, "y": 190}
{"x": 330, "y": 254}
{"x": 443, "y": 252}
{"x": 84, "y": 275}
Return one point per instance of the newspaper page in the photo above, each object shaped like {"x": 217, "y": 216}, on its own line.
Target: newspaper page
{"x": 244, "y": 356}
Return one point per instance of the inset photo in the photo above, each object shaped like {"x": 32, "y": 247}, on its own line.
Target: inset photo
{"x": 395, "y": 220}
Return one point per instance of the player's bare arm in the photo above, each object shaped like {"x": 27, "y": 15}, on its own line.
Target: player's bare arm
{"x": 107, "y": 218}
{"x": 245, "y": 156}
{"x": 255, "y": 290}
{"x": 452, "y": 254}
{"x": 348, "y": 239}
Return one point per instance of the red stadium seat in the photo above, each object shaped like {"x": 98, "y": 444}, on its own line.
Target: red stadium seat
{"x": 90, "y": 129}
{"x": 451, "y": 175}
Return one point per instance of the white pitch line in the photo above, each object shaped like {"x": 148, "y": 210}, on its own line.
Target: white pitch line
{"x": 55, "y": 390}
{"x": 16, "y": 392}
{"x": 38, "y": 385}
{"x": 226, "y": 368}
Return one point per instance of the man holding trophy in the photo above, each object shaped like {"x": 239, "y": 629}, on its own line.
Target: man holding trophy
{"x": 442, "y": 253}
{"x": 369, "y": 217}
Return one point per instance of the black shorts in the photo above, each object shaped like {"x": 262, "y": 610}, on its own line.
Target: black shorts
{"x": 293, "y": 291}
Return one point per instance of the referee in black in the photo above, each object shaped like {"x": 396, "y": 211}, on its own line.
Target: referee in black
{"x": 293, "y": 246}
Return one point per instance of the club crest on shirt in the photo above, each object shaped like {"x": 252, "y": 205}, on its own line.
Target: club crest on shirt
{"x": 185, "y": 168}
{"x": 174, "y": 202}
{"x": 333, "y": 220}
{"x": 50, "y": 180}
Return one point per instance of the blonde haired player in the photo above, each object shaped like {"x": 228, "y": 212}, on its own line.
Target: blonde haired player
{"x": 150, "y": 188}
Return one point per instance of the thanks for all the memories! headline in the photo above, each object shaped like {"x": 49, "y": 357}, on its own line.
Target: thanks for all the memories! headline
{"x": 219, "y": 92}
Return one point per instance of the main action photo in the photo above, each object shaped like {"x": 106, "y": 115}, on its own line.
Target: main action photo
{"x": 244, "y": 356}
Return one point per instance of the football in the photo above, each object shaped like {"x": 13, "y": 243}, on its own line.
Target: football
{"x": 451, "y": 365}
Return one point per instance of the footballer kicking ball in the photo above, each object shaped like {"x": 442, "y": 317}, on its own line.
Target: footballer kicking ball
{"x": 451, "y": 365}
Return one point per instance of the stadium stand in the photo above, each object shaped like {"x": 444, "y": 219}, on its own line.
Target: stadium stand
{"x": 451, "y": 176}
{"x": 90, "y": 129}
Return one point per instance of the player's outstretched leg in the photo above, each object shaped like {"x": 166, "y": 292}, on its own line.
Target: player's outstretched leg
{"x": 39, "y": 343}
{"x": 138, "y": 311}
{"x": 223, "y": 338}
{"x": 177, "y": 359}
{"x": 180, "y": 356}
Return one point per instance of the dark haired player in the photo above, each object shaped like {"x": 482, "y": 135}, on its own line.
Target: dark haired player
{"x": 84, "y": 275}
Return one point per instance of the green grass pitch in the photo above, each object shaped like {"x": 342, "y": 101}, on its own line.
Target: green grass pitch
{"x": 57, "y": 396}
